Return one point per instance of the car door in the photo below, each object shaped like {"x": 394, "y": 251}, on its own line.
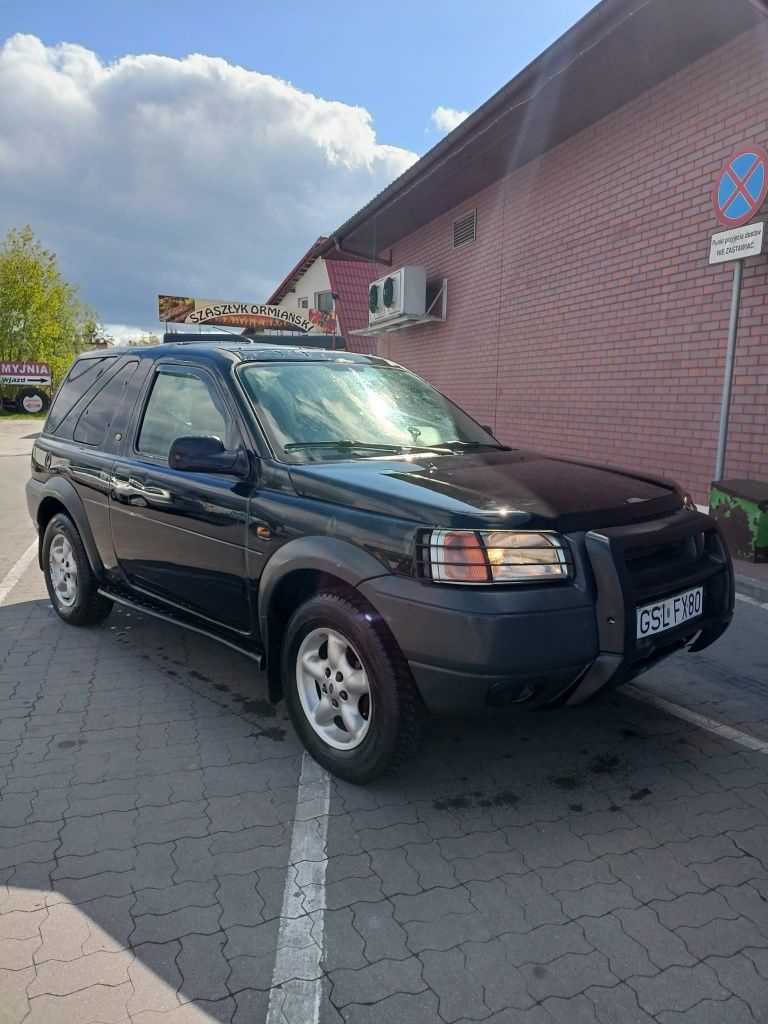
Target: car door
{"x": 78, "y": 443}
{"x": 180, "y": 536}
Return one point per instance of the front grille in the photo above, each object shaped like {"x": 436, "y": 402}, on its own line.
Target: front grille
{"x": 650, "y": 559}
{"x": 659, "y": 566}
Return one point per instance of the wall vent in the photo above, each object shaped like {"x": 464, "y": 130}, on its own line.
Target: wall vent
{"x": 464, "y": 229}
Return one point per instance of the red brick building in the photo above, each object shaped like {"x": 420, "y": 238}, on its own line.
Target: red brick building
{"x": 340, "y": 285}
{"x": 583, "y": 317}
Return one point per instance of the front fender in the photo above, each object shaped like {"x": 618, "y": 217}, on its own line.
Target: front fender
{"x": 338, "y": 558}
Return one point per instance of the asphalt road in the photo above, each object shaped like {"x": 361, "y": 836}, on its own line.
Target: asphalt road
{"x": 16, "y": 437}
{"x": 168, "y": 855}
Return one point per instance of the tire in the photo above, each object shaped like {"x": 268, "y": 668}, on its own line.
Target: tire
{"x": 385, "y": 728}
{"x": 33, "y": 393}
{"x": 71, "y": 583}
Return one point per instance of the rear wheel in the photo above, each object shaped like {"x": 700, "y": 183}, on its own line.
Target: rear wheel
{"x": 72, "y": 585}
{"x": 348, "y": 689}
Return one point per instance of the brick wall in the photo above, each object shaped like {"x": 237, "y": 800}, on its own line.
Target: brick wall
{"x": 584, "y": 319}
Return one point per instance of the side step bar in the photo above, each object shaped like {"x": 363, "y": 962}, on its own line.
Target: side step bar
{"x": 147, "y": 609}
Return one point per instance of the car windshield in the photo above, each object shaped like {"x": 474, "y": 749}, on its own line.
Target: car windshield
{"x": 333, "y": 410}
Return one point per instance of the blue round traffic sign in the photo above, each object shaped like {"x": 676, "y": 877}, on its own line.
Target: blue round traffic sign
{"x": 741, "y": 186}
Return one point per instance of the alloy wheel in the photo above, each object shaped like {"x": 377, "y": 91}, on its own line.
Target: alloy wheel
{"x": 333, "y": 688}
{"x": 63, "y": 570}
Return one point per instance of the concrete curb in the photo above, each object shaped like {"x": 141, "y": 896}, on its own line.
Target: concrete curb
{"x": 747, "y": 586}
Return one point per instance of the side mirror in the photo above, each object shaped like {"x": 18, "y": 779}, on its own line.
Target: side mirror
{"x": 203, "y": 455}
{"x": 488, "y": 430}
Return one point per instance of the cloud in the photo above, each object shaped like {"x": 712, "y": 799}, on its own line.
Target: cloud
{"x": 193, "y": 177}
{"x": 445, "y": 119}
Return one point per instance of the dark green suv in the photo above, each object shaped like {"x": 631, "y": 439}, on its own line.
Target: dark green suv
{"x": 378, "y": 551}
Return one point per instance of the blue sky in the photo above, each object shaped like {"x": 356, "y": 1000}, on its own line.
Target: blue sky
{"x": 152, "y": 171}
{"x": 400, "y": 59}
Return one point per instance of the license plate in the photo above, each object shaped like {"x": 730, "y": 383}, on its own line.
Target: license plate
{"x": 671, "y": 612}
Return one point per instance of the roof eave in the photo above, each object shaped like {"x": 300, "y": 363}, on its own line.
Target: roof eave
{"x": 587, "y": 34}
{"x": 301, "y": 268}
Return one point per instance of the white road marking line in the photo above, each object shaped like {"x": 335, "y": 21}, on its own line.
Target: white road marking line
{"x": 725, "y": 732}
{"x": 15, "y": 573}
{"x": 296, "y": 982}
{"x": 753, "y": 601}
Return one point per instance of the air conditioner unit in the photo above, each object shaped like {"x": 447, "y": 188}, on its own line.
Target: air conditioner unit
{"x": 403, "y": 293}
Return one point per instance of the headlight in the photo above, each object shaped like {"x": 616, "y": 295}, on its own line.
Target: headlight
{"x": 495, "y": 556}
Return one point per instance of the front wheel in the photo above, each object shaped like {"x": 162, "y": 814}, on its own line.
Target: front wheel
{"x": 348, "y": 689}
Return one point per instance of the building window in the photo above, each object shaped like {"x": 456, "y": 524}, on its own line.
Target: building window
{"x": 303, "y": 303}
{"x": 464, "y": 228}
{"x": 324, "y": 301}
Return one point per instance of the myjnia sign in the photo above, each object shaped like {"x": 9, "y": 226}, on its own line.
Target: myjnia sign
{"x": 16, "y": 372}
{"x": 179, "y": 310}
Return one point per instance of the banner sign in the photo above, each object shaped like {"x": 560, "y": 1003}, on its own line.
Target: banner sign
{"x": 178, "y": 310}
{"x": 25, "y": 373}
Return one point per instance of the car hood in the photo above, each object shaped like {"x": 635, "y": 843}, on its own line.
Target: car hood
{"x": 493, "y": 488}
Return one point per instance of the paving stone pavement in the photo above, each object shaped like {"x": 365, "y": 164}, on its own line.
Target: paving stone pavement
{"x": 607, "y": 864}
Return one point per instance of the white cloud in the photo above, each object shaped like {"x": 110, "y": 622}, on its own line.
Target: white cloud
{"x": 445, "y": 119}
{"x": 125, "y": 333}
{"x": 154, "y": 175}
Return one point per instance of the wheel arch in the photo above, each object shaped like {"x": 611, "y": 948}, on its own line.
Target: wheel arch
{"x": 60, "y": 496}
{"x": 295, "y": 572}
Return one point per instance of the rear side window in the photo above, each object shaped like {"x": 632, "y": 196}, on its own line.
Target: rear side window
{"x": 83, "y": 374}
{"x": 94, "y": 421}
{"x": 183, "y": 404}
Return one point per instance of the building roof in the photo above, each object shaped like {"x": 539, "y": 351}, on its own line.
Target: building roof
{"x": 619, "y": 50}
{"x": 349, "y": 283}
{"x": 298, "y": 271}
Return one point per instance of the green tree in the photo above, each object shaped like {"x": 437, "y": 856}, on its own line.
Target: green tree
{"x": 41, "y": 316}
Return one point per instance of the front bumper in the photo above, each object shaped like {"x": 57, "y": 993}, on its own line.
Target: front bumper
{"x": 636, "y": 565}
{"x": 475, "y": 648}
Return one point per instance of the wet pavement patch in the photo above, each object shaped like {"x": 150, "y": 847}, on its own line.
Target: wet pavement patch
{"x": 576, "y": 807}
{"x": 640, "y": 794}
{"x": 257, "y": 707}
{"x": 631, "y": 734}
{"x": 275, "y": 733}
{"x": 605, "y": 764}
{"x": 66, "y": 744}
{"x": 453, "y": 803}
{"x": 464, "y": 801}
{"x": 566, "y": 782}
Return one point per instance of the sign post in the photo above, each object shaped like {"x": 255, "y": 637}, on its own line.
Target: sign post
{"x": 739, "y": 191}
{"x": 725, "y": 404}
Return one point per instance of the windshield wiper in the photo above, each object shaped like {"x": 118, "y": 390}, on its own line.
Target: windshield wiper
{"x": 462, "y": 446}
{"x": 296, "y": 446}
{"x": 441, "y": 448}
{"x": 437, "y": 449}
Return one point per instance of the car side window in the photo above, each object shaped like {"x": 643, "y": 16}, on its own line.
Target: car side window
{"x": 96, "y": 417}
{"x": 83, "y": 374}
{"x": 183, "y": 403}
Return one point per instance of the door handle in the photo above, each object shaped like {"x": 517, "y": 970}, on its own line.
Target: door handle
{"x": 120, "y": 484}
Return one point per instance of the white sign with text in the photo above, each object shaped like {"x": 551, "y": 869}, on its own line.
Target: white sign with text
{"x": 737, "y": 243}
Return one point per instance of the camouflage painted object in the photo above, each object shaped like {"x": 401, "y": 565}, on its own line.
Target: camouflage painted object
{"x": 741, "y": 509}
